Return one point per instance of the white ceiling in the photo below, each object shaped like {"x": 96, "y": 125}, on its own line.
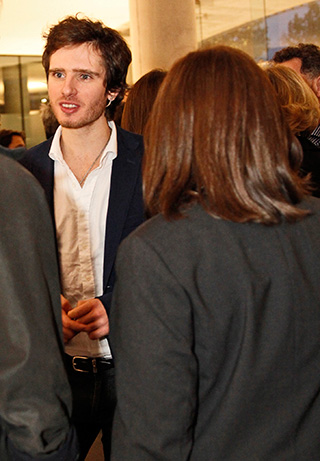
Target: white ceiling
{"x": 23, "y": 23}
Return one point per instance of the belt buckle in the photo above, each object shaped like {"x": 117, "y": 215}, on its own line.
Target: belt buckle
{"x": 74, "y": 364}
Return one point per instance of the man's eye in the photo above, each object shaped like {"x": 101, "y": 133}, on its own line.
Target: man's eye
{"x": 85, "y": 76}
{"x": 58, "y": 74}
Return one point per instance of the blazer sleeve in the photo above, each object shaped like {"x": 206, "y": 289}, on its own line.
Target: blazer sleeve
{"x": 35, "y": 398}
{"x": 156, "y": 369}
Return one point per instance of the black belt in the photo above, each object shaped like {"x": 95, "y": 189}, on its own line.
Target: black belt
{"x": 89, "y": 364}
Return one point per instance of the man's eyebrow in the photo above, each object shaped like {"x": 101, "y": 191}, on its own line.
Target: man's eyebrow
{"x": 55, "y": 69}
{"x": 82, "y": 71}
{"x": 86, "y": 71}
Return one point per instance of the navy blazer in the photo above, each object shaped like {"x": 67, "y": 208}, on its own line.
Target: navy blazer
{"x": 125, "y": 211}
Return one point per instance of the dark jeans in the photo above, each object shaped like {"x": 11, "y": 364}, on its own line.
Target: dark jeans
{"x": 94, "y": 402}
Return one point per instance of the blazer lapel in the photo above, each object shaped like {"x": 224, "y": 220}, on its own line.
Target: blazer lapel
{"x": 42, "y": 167}
{"x": 126, "y": 166}
{"x": 47, "y": 181}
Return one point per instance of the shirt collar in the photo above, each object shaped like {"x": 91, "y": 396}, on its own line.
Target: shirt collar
{"x": 111, "y": 148}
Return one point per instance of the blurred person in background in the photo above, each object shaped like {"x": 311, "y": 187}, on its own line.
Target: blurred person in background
{"x": 12, "y": 139}
{"x": 50, "y": 123}
{"x": 302, "y": 111}
{"x": 304, "y": 59}
{"x": 12, "y": 143}
{"x": 140, "y": 100}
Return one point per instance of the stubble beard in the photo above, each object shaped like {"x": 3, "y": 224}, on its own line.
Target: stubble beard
{"x": 89, "y": 118}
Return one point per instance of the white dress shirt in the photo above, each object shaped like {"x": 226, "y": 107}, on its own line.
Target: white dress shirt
{"x": 80, "y": 215}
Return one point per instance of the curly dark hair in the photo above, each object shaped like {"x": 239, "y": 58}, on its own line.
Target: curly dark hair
{"x": 6, "y": 136}
{"x": 108, "y": 42}
{"x": 307, "y": 52}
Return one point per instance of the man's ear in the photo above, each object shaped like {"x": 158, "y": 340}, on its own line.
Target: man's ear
{"x": 316, "y": 86}
{"x": 112, "y": 95}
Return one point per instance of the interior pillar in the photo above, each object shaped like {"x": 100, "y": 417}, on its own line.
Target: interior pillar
{"x": 161, "y": 32}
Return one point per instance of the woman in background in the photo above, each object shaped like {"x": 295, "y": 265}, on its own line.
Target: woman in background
{"x": 302, "y": 110}
{"x": 216, "y": 315}
{"x": 300, "y": 104}
{"x": 140, "y": 100}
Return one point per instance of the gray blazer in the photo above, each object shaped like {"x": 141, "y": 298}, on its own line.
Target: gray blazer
{"x": 35, "y": 397}
{"x": 216, "y": 335}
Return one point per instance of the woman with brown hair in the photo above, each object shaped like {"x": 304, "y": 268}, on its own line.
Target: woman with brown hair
{"x": 141, "y": 97}
{"x": 216, "y": 314}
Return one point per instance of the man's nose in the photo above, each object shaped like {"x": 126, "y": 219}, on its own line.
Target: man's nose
{"x": 69, "y": 87}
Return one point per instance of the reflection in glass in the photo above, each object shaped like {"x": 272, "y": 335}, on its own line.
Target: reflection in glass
{"x": 258, "y": 27}
{"x": 22, "y": 86}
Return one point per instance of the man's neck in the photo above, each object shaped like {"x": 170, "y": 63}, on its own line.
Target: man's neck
{"x": 84, "y": 142}
{"x": 81, "y": 146}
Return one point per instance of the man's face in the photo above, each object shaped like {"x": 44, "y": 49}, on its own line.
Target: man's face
{"x": 294, "y": 64}
{"x": 16, "y": 141}
{"x": 76, "y": 86}
{"x": 314, "y": 83}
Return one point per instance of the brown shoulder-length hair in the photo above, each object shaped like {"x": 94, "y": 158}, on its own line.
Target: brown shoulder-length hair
{"x": 218, "y": 136}
{"x": 140, "y": 100}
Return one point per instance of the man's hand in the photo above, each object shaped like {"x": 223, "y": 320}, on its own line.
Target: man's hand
{"x": 70, "y": 328}
{"x": 92, "y": 314}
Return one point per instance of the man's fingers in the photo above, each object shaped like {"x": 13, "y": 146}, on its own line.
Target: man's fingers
{"x": 99, "y": 332}
{"x": 68, "y": 323}
{"x": 92, "y": 317}
{"x": 83, "y": 308}
{"x": 98, "y": 324}
{"x": 66, "y": 306}
{"x": 88, "y": 311}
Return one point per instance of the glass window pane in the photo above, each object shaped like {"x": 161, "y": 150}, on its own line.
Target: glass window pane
{"x": 10, "y": 94}
{"x": 259, "y": 27}
{"x": 34, "y": 89}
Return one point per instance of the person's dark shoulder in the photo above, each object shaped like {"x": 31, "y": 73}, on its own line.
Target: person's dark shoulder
{"x": 311, "y": 163}
{"x": 11, "y": 172}
{"x": 36, "y": 153}
{"x": 307, "y": 145}
{"x": 17, "y": 184}
{"x": 17, "y": 154}
{"x": 129, "y": 141}
{"x": 129, "y": 134}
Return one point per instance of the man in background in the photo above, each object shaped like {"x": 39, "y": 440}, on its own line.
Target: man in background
{"x": 35, "y": 397}
{"x": 12, "y": 143}
{"x": 12, "y": 139}
{"x": 91, "y": 172}
{"x": 50, "y": 123}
